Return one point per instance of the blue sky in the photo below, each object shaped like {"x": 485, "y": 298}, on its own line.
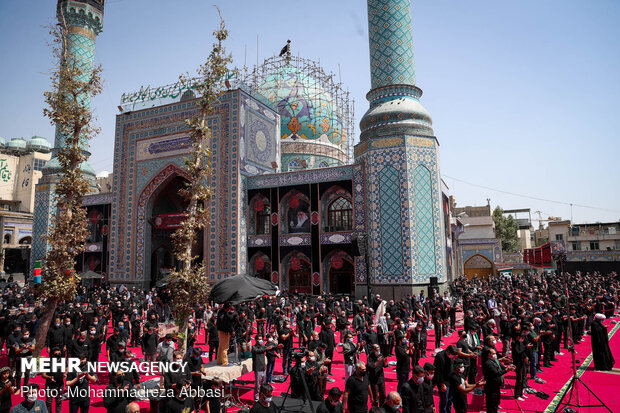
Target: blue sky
{"x": 522, "y": 94}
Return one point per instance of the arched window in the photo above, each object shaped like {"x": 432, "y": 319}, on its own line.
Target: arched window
{"x": 259, "y": 215}
{"x": 295, "y": 165}
{"x": 340, "y": 215}
{"x": 7, "y": 238}
{"x": 263, "y": 223}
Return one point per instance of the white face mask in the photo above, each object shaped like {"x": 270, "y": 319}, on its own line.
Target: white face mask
{"x": 430, "y": 376}
{"x": 260, "y": 342}
{"x": 494, "y": 342}
{"x": 267, "y": 399}
{"x": 303, "y": 364}
{"x": 420, "y": 380}
{"x": 313, "y": 359}
{"x": 494, "y": 357}
{"x": 461, "y": 369}
{"x": 32, "y": 397}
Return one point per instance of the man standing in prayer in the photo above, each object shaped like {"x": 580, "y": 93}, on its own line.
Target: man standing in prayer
{"x": 601, "y": 353}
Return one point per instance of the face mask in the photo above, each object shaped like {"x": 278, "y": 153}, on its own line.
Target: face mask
{"x": 260, "y": 342}
{"x": 494, "y": 342}
{"x": 67, "y": 323}
{"x": 32, "y": 397}
{"x": 350, "y": 340}
{"x": 334, "y": 403}
{"x": 267, "y": 399}
{"x": 430, "y": 376}
{"x": 420, "y": 380}
{"x": 405, "y": 342}
{"x": 402, "y": 326}
{"x": 127, "y": 358}
{"x": 494, "y": 357}
{"x": 303, "y": 364}
{"x": 26, "y": 337}
{"x": 532, "y": 328}
{"x": 361, "y": 373}
{"x": 121, "y": 327}
{"x": 313, "y": 359}
{"x": 93, "y": 332}
{"x": 57, "y": 324}
{"x": 269, "y": 340}
{"x": 95, "y": 322}
{"x": 377, "y": 353}
{"x": 461, "y": 369}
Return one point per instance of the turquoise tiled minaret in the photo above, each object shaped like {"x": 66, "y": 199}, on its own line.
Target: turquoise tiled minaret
{"x": 84, "y": 21}
{"x": 400, "y": 156}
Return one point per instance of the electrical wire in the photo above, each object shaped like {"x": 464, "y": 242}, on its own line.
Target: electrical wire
{"x": 531, "y": 197}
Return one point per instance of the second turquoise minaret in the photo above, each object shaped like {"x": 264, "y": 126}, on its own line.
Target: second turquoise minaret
{"x": 400, "y": 156}
{"x": 84, "y": 21}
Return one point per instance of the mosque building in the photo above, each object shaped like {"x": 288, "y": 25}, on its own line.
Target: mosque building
{"x": 294, "y": 202}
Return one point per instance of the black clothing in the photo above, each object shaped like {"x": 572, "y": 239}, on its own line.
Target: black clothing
{"x": 259, "y": 408}
{"x": 327, "y": 407}
{"x": 174, "y": 405}
{"x": 443, "y": 368}
{"x": 413, "y": 396}
{"x": 459, "y": 399}
{"x": 358, "y": 394}
{"x": 113, "y": 400}
{"x": 601, "y": 353}
{"x": 402, "y": 360}
{"x": 375, "y": 374}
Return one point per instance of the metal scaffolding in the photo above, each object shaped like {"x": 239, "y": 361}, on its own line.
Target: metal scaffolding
{"x": 321, "y": 89}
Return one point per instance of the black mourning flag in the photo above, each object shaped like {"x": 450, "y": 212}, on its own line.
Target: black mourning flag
{"x": 286, "y": 48}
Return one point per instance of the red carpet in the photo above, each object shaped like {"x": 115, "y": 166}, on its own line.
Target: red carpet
{"x": 605, "y": 385}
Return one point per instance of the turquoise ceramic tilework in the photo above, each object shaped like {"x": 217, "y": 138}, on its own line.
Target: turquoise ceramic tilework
{"x": 424, "y": 221}
{"x": 391, "y": 236}
{"x": 391, "y": 42}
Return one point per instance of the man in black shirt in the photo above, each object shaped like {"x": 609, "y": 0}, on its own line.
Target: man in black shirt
{"x": 149, "y": 343}
{"x": 404, "y": 351}
{"x": 23, "y": 350}
{"x": 376, "y": 378}
{"x": 263, "y": 405}
{"x": 55, "y": 336}
{"x": 54, "y": 384}
{"x": 412, "y": 392}
{"x": 180, "y": 403}
{"x": 357, "y": 390}
{"x": 443, "y": 368}
{"x": 332, "y": 402}
{"x": 459, "y": 387}
{"x": 196, "y": 370}
{"x": 80, "y": 381}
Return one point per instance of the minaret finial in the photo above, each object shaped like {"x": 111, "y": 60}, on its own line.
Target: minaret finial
{"x": 286, "y": 52}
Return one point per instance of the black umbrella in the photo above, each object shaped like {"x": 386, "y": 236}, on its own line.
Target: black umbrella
{"x": 240, "y": 288}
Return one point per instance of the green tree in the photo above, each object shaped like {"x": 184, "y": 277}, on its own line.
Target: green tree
{"x": 506, "y": 229}
{"x": 189, "y": 284}
{"x": 67, "y": 109}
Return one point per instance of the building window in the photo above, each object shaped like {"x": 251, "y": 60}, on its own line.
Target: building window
{"x": 295, "y": 165}
{"x": 39, "y": 164}
{"x": 7, "y": 238}
{"x": 594, "y": 245}
{"x": 575, "y": 231}
{"x": 559, "y": 237}
{"x": 262, "y": 221}
{"x": 617, "y": 245}
{"x": 340, "y": 215}
{"x": 576, "y": 246}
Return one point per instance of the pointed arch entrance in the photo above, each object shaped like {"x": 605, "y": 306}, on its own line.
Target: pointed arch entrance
{"x": 340, "y": 272}
{"x": 296, "y": 265}
{"x": 478, "y": 266}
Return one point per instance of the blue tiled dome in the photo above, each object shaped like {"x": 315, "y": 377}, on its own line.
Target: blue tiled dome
{"x": 17, "y": 144}
{"x": 39, "y": 144}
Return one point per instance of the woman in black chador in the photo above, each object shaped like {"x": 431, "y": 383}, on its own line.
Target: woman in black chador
{"x": 603, "y": 359}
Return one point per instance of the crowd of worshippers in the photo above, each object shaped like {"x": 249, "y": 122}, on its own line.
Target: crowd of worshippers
{"x": 529, "y": 314}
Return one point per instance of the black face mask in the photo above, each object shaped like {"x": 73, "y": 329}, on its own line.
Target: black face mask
{"x": 361, "y": 373}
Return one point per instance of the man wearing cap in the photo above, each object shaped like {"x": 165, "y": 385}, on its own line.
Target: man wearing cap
{"x": 601, "y": 353}
{"x": 332, "y": 402}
